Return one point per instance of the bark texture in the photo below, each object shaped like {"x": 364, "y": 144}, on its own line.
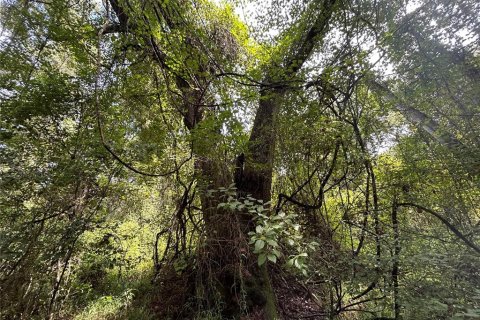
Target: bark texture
{"x": 231, "y": 273}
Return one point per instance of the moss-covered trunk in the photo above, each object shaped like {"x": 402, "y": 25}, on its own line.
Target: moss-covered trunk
{"x": 230, "y": 277}
{"x": 226, "y": 270}
{"x": 241, "y": 283}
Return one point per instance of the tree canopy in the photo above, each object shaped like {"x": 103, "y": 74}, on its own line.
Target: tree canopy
{"x": 196, "y": 159}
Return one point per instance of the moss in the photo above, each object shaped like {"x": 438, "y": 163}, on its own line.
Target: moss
{"x": 270, "y": 305}
{"x": 260, "y": 294}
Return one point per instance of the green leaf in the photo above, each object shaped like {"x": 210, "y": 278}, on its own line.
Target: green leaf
{"x": 259, "y": 244}
{"x": 272, "y": 257}
{"x": 297, "y": 263}
{"x": 261, "y": 259}
{"x": 272, "y": 242}
{"x": 277, "y": 253}
{"x": 270, "y": 233}
{"x": 290, "y": 262}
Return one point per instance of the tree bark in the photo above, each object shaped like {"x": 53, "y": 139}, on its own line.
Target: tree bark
{"x": 226, "y": 232}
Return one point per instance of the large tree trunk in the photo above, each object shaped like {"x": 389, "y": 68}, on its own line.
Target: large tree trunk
{"x": 226, "y": 270}
{"x": 227, "y": 232}
{"x": 256, "y": 180}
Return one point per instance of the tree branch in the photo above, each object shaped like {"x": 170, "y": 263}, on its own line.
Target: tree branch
{"x": 450, "y": 226}
{"x": 417, "y": 117}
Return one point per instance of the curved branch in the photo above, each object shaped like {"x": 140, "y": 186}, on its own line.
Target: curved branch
{"x": 450, "y": 226}
{"x": 417, "y": 117}
{"x": 321, "y": 190}
{"x": 100, "y": 127}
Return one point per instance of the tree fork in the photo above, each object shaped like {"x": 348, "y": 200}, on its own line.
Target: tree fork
{"x": 256, "y": 179}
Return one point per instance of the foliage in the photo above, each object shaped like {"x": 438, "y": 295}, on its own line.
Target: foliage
{"x": 147, "y": 146}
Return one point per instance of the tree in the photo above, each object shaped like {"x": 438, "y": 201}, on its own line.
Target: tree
{"x": 128, "y": 90}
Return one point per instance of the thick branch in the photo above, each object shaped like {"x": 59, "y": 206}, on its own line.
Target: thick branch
{"x": 417, "y": 117}
{"x": 120, "y": 13}
{"x": 310, "y": 35}
{"x": 450, "y": 226}
{"x": 257, "y": 178}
